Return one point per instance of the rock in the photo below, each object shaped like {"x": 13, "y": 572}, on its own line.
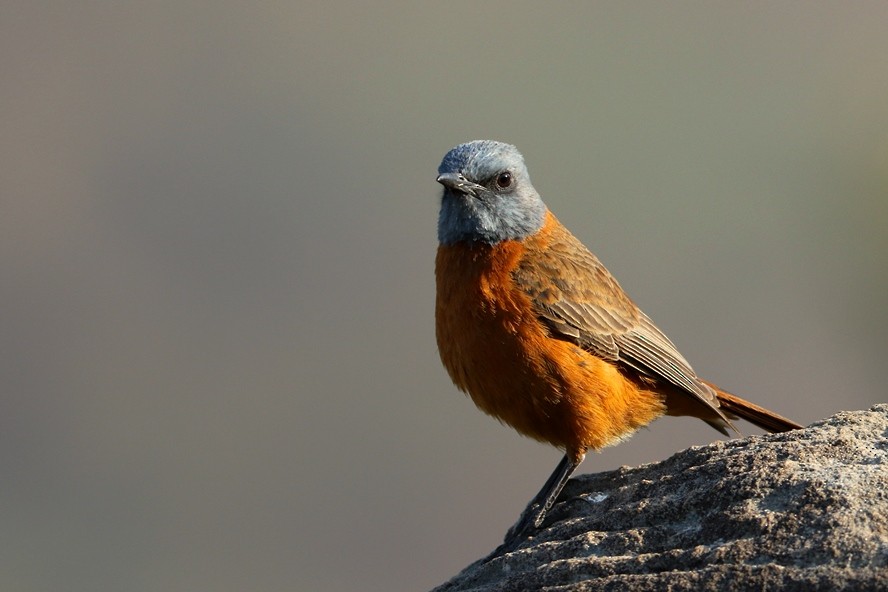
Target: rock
{"x": 803, "y": 510}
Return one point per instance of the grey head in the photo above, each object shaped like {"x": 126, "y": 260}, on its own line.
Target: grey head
{"x": 487, "y": 196}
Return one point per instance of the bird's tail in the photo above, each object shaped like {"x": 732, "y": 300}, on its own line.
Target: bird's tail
{"x": 767, "y": 420}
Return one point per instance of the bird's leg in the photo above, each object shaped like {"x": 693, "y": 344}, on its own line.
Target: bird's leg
{"x": 532, "y": 517}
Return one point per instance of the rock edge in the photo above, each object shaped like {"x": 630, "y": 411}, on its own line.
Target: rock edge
{"x": 802, "y": 510}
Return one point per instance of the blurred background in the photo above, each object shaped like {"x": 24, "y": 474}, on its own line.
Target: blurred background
{"x": 218, "y": 367}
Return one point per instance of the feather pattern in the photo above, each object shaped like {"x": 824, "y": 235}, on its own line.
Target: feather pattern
{"x": 582, "y": 302}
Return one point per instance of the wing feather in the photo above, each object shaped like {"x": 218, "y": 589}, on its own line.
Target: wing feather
{"x": 581, "y": 302}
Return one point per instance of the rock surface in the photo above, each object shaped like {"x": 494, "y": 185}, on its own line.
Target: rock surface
{"x": 804, "y": 510}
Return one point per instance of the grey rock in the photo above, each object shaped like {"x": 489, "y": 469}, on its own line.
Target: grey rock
{"x": 803, "y": 510}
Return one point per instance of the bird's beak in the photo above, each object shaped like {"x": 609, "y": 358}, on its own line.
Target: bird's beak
{"x": 458, "y": 183}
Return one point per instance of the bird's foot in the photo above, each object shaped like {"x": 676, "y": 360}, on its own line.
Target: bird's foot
{"x": 526, "y": 527}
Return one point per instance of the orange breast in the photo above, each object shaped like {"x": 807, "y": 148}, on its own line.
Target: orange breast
{"x": 496, "y": 349}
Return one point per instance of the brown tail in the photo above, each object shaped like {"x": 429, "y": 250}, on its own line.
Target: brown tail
{"x": 767, "y": 420}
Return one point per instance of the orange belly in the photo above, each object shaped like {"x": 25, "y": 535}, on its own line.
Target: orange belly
{"x": 497, "y": 350}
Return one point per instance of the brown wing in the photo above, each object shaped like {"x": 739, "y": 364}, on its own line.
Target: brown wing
{"x": 581, "y": 302}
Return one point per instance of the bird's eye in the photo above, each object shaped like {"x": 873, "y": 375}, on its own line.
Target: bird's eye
{"x": 504, "y": 180}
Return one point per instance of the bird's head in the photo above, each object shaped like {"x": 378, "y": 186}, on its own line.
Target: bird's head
{"x": 487, "y": 195}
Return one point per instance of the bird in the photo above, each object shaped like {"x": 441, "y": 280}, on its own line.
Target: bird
{"x": 532, "y": 326}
